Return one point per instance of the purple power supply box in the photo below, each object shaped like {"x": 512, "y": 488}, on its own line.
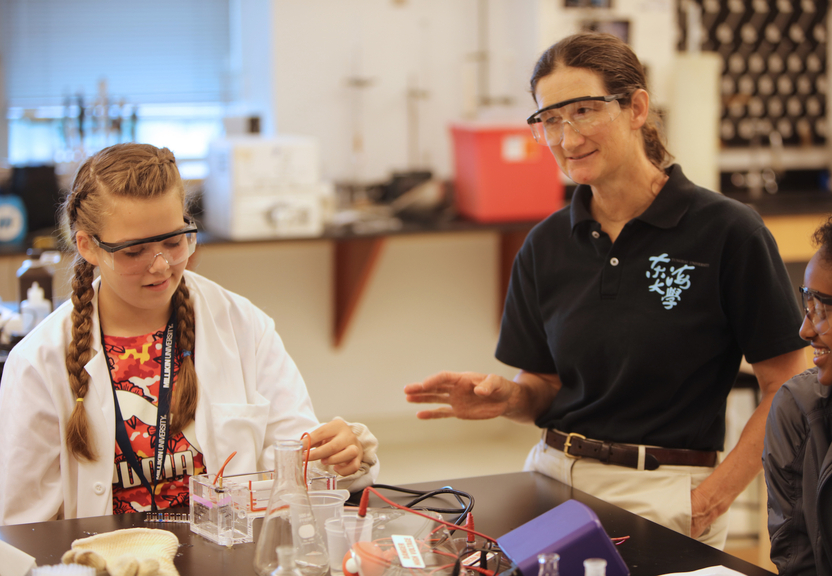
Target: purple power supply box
{"x": 573, "y": 531}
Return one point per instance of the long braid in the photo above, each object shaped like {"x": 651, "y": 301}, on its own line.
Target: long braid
{"x": 185, "y": 393}
{"x": 136, "y": 171}
{"x": 78, "y": 438}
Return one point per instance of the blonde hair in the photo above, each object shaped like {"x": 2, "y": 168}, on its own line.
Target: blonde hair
{"x": 120, "y": 171}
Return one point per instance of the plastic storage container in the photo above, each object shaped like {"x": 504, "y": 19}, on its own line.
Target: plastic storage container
{"x": 502, "y": 174}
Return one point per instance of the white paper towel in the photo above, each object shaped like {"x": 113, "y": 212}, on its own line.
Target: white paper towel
{"x": 14, "y": 562}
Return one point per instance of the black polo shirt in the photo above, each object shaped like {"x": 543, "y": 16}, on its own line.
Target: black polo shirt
{"x": 647, "y": 333}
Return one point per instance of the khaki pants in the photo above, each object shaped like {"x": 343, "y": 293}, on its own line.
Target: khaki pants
{"x": 661, "y": 495}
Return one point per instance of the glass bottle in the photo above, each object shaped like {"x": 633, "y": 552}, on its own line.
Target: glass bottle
{"x": 286, "y": 565}
{"x": 289, "y": 534}
{"x": 38, "y": 267}
{"x": 548, "y": 564}
{"x": 595, "y": 567}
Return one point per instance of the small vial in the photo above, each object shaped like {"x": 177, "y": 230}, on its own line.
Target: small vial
{"x": 595, "y": 567}
{"x": 548, "y": 564}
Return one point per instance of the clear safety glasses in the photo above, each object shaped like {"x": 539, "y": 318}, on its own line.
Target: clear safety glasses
{"x": 587, "y": 116}
{"x": 137, "y": 256}
{"x": 816, "y": 307}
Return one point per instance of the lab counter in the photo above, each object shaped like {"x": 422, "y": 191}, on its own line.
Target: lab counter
{"x": 502, "y": 503}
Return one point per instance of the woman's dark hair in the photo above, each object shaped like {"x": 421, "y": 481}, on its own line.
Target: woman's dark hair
{"x": 620, "y": 70}
{"x": 823, "y": 240}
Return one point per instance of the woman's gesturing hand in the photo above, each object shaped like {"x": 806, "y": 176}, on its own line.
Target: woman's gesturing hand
{"x": 466, "y": 395}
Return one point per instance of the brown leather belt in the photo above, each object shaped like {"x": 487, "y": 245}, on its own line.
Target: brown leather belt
{"x": 577, "y": 446}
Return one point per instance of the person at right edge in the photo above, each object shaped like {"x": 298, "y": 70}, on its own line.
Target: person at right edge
{"x": 797, "y": 456}
{"x": 628, "y": 312}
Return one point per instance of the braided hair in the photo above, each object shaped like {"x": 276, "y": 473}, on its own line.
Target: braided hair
{"x": 120, "y": 171}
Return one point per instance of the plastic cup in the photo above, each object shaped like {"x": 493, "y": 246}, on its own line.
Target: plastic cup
{"x": 342, "y": 533}
{"x": 327, "y": 504}
{"x": 336, "y": 543}
{"x": 358, "y": 528}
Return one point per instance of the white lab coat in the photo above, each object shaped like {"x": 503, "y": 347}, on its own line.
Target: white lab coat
{"x": 250, "y": 394}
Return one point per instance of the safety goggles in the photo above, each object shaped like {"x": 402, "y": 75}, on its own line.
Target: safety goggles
{"x": 816, "y": 307}
{"x": 587, "y": 116}
{"x": 137, "y": 256}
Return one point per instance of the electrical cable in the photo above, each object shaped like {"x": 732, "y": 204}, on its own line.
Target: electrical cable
{"x": 306, "y": 436}
{"x": 422, "y": 495}
{"x": 475, "y": 559}
{"x": 365, "y": 501}
{"x": 222, "y": 468}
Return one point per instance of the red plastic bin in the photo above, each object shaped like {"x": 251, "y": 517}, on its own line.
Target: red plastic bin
{"x": 502, "y": 174}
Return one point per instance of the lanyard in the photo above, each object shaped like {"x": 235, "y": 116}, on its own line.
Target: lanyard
{"x": 162, "y": 414}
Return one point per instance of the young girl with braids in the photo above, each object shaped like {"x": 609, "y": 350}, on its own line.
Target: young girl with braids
{"x": 148, "y": 363}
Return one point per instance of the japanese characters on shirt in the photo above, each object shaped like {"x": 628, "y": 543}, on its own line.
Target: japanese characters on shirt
{"x": 135, "y": 364}
{"x": 670, "y": 278}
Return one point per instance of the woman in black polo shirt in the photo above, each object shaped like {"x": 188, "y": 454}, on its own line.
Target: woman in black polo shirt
{"x": 629, "y": 311}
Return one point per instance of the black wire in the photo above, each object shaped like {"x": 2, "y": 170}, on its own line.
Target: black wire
{"x": 489, "y": 548}
{"x": 456, "y": 495}
{"x": 422, "y": 495}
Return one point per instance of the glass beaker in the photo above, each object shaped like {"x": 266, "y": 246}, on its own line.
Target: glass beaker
{"x": 289, "y": 522}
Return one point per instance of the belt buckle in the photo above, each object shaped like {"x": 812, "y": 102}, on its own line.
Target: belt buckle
{"x": 568, "y": 442}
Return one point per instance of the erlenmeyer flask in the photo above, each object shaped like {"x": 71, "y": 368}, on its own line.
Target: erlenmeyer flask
{"x": 289, "y": 522}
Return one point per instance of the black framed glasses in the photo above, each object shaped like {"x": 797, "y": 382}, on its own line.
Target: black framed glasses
{"x": 137, "y": 256}
{"x": 587, "y": 115}
{"x": 816, "y": 306}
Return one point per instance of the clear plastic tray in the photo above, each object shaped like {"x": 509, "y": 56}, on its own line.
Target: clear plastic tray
{"x": 224, "y": 512}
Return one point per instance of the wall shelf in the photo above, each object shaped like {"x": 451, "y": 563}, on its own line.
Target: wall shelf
{"x": 355, "y": 257}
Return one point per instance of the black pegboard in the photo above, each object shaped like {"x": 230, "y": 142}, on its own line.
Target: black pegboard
{"x": 774, "y": 67}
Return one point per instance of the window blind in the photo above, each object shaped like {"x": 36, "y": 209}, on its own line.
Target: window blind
{"x": 149, "y": 52}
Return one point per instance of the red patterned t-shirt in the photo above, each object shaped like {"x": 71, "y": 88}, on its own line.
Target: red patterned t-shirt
{"x": 135, "y": 367}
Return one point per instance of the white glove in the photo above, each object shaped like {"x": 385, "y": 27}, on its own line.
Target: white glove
{"x": 128, "y": 552}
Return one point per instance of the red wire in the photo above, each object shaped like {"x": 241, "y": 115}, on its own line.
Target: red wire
{"x": 438, "y": 568}
{"x": 306, "y": 456}
{"x": 227, "y": 460}
{"x": 365, "y": 499}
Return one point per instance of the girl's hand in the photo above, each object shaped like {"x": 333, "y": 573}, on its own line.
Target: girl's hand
{"x": 335, "y": 444}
